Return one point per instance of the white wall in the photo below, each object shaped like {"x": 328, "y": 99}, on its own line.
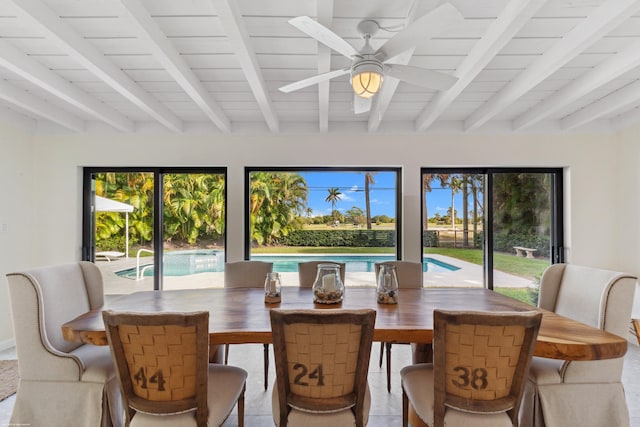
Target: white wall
{"x": 590, "y": 161}
{"x": 594, "y": 166}
{"x": 17, "y": 219}
{"x": 627, "y": 213}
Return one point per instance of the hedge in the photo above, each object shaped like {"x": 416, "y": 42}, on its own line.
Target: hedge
{"x": 349, "y": 238}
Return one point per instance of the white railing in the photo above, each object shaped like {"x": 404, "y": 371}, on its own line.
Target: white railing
{"x": 139, "y": 272}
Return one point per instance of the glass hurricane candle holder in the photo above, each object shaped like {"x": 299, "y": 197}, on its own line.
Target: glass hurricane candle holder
{"x": 272, "y": 288}
{"x": 328, "y": 287}
{"x": 387, "y": 284}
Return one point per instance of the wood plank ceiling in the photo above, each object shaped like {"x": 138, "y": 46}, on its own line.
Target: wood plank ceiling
{"x": 216, "y": 65}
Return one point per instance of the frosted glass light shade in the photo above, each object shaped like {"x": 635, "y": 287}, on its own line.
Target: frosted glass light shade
{"x": 366, "y": 84}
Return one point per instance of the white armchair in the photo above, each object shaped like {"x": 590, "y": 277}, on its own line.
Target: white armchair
{"x": 61, "y": 383}
{"x": 589, "y": 393}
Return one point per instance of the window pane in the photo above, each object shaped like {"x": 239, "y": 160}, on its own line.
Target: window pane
{"x": 522, "y": 232}
{"x": 193, "y": 229}
{"x": 309, "y": 214}
{"x": 452, "y": 229}
{"x": 123, "y": 230}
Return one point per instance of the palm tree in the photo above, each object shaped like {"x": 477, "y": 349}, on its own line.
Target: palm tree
{"x": 308, "y": 213}
{"x": 477, "y": 188}
{"x": 455, "y": 184}
{"x": 136, "y": 189}
{"x": 368, "y": 180}
{"x": 465, "y": 210}
{"x": 193, "y": 206}
{"x": 333, "y": 198}
{"x": 276, "y": 200}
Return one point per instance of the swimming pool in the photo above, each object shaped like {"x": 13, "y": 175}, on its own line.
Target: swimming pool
{"x": 183, "y": 263}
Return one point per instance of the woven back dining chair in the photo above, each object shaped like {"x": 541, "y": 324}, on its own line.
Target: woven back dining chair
{"x": 478, "y": 373}
{"x": 307, "y": 272}
{"x": 248, "y": 274}
{"x": 163, "y": 368}
{"x": 322, "y": 361}
{"x": 409, "y": 277}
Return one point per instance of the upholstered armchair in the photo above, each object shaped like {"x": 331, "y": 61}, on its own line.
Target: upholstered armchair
{"x": 61, "y": 383}
{"x": 588, "y": 393}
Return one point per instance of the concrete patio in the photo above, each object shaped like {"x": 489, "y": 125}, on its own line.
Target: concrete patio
{"x": 468, "y": 275}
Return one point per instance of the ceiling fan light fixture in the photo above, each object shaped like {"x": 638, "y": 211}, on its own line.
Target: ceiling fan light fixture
{"x": 366, "y": 78}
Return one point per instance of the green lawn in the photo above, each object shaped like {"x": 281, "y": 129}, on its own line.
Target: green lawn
{"x": 525, "y": 295}
{"x": 518, "y": 266}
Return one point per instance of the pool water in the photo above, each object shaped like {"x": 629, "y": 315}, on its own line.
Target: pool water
{"x": 183, "y": 263}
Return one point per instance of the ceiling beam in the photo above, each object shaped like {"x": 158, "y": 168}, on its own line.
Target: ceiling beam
{"x": 512, "y": 18}
{"x": 238, "y": 36}
{"x": 28, "y": 69}
{"x": 174, "y": 64}
{"x": 605, "y": 18}
{"x": 93, "y": 60}
{"x": 622, "y": 98}
{"x": 35, "y": 105}
{"x": 607, "y": 71}
{"x": 627, "y": 119}
{"x": 325, "y": 17}
{"x": 383, "y": 98}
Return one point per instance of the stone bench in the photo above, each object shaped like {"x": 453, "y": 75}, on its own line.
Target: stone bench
{"x": 520, "y": 251}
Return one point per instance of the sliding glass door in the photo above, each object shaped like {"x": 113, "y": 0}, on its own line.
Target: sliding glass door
{"x": 126, "y": 209}
{"x": 493, "y": 228}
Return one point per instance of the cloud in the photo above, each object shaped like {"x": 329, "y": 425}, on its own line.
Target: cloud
{"x": 345, "y": 196}
{"x": 441, "y": 209}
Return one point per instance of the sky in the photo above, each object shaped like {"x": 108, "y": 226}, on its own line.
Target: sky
{"x": 382, "y": 193}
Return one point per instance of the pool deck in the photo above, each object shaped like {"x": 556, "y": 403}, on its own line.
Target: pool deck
{"x": 469, "y": 275}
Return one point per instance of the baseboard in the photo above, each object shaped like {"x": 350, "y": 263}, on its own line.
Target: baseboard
{"x": 7, "y": 344}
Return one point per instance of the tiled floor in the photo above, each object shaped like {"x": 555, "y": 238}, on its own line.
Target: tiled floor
{"x": 386, "y": 407}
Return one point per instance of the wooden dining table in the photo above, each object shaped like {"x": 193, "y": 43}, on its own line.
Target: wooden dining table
{"x": 240, "y": 316}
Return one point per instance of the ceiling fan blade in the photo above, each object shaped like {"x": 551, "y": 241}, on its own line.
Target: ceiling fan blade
{"x": 420, "y": 76}
{"x": 361, "y": 105}
{"x": 420, "y": 30}
{"x": 313, "y": 80}
{"x": 323, "y": 35}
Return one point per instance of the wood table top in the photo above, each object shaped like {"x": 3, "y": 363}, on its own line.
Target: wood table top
{"x": 240, "y": 316}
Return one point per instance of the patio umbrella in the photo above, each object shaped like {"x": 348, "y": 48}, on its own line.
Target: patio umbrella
{"x": 108, "y": 205}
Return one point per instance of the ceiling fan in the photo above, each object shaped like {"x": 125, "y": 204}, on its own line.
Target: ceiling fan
{"x": 369, "y": 66}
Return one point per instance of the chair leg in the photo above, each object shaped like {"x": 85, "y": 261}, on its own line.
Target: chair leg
{"x": 405, "y": 409}
{"x": 636, "y": 326}
{"x": 226, "y": 354}
{"x": 241, "y": 408}
{"x": 381, "y": 353}
{"x": 266, "y": 366}
{"x": 388, "y": 345}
